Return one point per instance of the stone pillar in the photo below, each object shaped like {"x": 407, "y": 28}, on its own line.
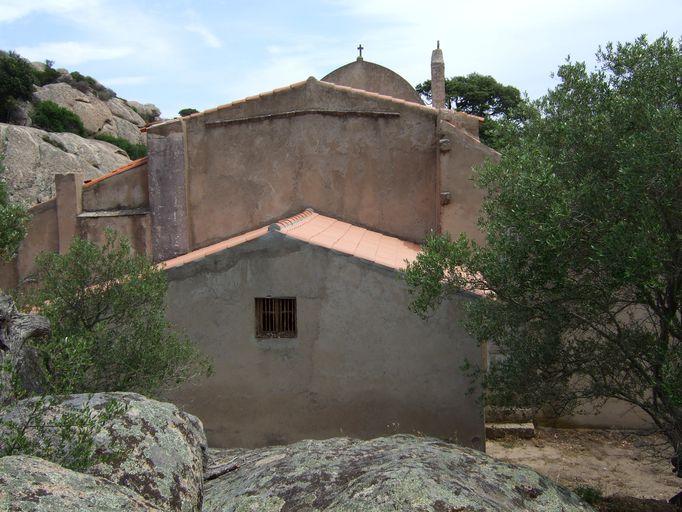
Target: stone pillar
{"x": 69, "y": 206}
{"x": 437, "y": 78}
{"x": 167, "y": 193}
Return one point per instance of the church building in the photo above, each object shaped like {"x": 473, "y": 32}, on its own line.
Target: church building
{"x": 283, "y": 220}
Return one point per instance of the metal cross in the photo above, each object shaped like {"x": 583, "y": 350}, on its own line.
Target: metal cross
{"x": 360, "y": 48}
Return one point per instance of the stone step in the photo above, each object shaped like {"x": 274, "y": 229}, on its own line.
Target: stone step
{"x": 498, "y": 414}
{"x": 515, "y": 430}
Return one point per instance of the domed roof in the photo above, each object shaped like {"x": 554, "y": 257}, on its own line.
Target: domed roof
{"x": 368, "y": 76}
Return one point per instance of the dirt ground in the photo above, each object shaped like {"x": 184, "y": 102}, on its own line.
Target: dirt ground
{"x": 616, "y": 463}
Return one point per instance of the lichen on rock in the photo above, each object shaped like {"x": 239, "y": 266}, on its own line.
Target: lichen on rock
{"x": 36, "y": 485}
{"x": 153, "y": 448}
{"x": 398, "y": 473}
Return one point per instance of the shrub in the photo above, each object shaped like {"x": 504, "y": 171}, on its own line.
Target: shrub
{"x": 48, "y": 75}
{"x": 109, "y": 329}
{"x": 16, "y": 82}
{"x": 53, "y": 118}
{"x": 589, "y": 494}
{"x": 12, "y": 222}
{"x": 85, "y": 84}
{"x": 188, "y": 111}
{"x": 69, "y": 440}
{"x": 134, "y": 151}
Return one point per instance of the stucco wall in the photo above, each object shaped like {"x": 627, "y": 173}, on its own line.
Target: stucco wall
{"x": 369, "y": 76}
{"x": 128, "y": 190}
{"x": 362, "y": 364}
{"x": 137, "y": 228}
{"x": 42, "y": 235}
{"x": 456, "y": 178}
{"x": 376, "y": 172}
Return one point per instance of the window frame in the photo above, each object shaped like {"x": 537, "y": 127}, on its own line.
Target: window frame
{"x": 283, "y": 317}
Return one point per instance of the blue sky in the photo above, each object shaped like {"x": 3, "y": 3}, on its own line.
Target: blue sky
{"x": 200, "y": 54}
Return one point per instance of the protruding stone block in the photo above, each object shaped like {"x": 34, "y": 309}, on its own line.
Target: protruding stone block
{"x": 69, "y": 205}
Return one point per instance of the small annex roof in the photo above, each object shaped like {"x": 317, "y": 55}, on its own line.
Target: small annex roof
{"x": 313, "y": 228}
{"x": 127, "y": 167}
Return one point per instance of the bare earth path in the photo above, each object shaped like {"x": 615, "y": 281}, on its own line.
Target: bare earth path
{"x": 611, "y": 461}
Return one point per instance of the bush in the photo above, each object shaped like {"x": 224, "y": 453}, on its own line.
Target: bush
{"x": 47, "y": 75}
{"x": 588, "y": 494}
{"x": 12, "y": 222}
{"x": 188, "y": 111}
{"x": 53, "y": 118}
{"x": 68, "y": 441}
{"x": 85, "y": 84}
{"x": 134, "y": 151}
{"x": 109, "y": 328}
{"x": 16, "y": 82}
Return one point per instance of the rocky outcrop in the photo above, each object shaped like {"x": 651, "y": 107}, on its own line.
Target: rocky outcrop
{"x": 112, "y": 117}
{"x": 386, "y": 474}
{"x": 152, "y": 448}
{"x": 18, "y": 359}
{"x": 36, "y": 485}
{"x": 32, "y": 157}
{"x": 148, "y": 111}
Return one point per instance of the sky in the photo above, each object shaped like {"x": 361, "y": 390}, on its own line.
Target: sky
{"x": 199, "y": 54}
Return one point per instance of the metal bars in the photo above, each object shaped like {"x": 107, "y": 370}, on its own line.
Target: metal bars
{"x": 275, "y": 317}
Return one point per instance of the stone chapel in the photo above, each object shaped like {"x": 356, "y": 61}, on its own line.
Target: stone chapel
{"x": 283, "y": 220}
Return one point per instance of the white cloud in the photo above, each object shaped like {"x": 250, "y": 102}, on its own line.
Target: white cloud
{"x": 71, "y": 53}
{"x": 209, "y": 38}
{"x": 11, "y": 10}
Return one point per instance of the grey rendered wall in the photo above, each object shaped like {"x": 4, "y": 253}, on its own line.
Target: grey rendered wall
{"x": 362, "y": 364}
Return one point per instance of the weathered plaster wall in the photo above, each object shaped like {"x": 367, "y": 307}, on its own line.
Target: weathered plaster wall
{"x": 369, "y": 76}
{"x": 127, "y": 191}
{"x": 614, "y": 414}
{"x": 362, "y": 364}
{"x": 135, "y": 227}
{"x": 168, "y": 192}
{"x": 376, "y": 172}
{"x": 459, "y": 154}
{"x": 42, "y": 235}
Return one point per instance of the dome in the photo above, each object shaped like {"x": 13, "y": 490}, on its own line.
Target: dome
{"x": 368, "y": 76}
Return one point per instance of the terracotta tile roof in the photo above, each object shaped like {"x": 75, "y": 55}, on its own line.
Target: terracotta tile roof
{"x": 297, "y": 85}
{"x": 132, "y": 165}
{"x": 313, "y": 228}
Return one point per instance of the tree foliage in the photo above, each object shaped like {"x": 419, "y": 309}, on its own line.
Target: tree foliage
{"x": 483, "y": 96}
{"x": 54, "y": 118}
{"x": 134, "y": 151}
{"x": 187, "y": 111}
{"x": 16, "y": 82}
{"x": 583, "y": 253}
{"x": 109, "y": 330}
{"x": 12, "y": 222}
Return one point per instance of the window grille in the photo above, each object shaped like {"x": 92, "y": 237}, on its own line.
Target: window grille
{"x": 275, "y": 317}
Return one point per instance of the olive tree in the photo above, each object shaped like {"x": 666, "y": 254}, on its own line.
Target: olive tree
{"x": 582, "y": 261}
{"x": 109, "y": 327}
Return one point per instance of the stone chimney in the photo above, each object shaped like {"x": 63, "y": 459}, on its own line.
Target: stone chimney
{"x": 437, "y": 77}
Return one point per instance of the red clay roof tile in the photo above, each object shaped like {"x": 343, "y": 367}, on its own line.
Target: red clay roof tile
{"x": 132, "y": 165}
{"x": 316, "y": 229}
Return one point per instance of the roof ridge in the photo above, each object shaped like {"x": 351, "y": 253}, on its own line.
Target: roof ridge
{"x": 294, "y": 220}
{"x": 412, "y": 104}
{"x": 224, "y": 106}
{"x": 118, "y": 170}
{"x": 376, "y": 95}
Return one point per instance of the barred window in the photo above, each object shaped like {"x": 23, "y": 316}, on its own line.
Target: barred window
{"x": 275, "y": 317}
